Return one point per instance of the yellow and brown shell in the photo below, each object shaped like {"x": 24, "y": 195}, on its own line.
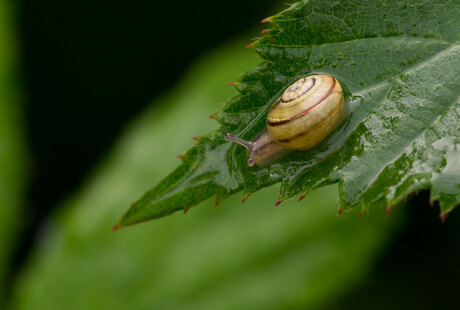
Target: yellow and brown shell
{"x": 307, "y": 112}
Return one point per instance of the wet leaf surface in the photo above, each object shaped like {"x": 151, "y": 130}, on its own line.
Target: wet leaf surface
{"x": 398, "y": 64}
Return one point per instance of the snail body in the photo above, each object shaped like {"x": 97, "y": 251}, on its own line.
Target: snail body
{"x": 307, "y": 112}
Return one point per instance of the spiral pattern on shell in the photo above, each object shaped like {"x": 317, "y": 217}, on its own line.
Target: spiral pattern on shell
{"x": 307, "y": 112}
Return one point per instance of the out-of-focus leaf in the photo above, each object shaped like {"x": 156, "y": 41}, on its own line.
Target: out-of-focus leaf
{"x": 251, "y": 256}
{"x": 398, "y": 62}
{"x": 11, "y": 143}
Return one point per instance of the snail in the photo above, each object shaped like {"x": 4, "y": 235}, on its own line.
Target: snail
{"x": 307, "y": 112}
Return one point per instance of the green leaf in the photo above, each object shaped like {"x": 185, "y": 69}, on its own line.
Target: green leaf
{"x": 398, "y": 63}
{"x": 11, "y": 142}
{"x": 296, "y": 256}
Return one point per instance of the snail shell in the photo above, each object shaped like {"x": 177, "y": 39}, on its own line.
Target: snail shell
{"x": 307, "y": 112}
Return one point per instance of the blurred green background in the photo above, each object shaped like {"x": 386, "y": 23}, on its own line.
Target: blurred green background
{"x": 96, "y": 101}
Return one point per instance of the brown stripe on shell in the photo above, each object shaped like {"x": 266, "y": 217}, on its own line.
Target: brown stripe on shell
{"x": 281, "y": 100}
{"x": 306, "y": 111}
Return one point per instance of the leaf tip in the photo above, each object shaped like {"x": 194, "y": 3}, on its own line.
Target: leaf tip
{"x": 217, "y": 203}
{"x": 387, "y": 210}
{"x": 278, "y": 203}
{"x": 115, "y": 227}
{"x": 340, "y": 212}
{"x": 186, "y": 210}
{"x": 180, "y": 156}
{"x": 266, "y": 20}
{"x": 361, "y": 213}
{"x": 215, "y": 115}
{"x": 232, "y": 83}
{"x": 249, "y": 45}
{"x": 264, "y": 31}
{"x": 301, "y": 197}
{"x": 443, "y": 216}
{"x": 432, "y": 202}
{"x": 196, "y": 138}
{"x": 244, "y": 198}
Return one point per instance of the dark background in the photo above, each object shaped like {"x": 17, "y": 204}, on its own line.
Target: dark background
{"x": 91, "y": 66}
